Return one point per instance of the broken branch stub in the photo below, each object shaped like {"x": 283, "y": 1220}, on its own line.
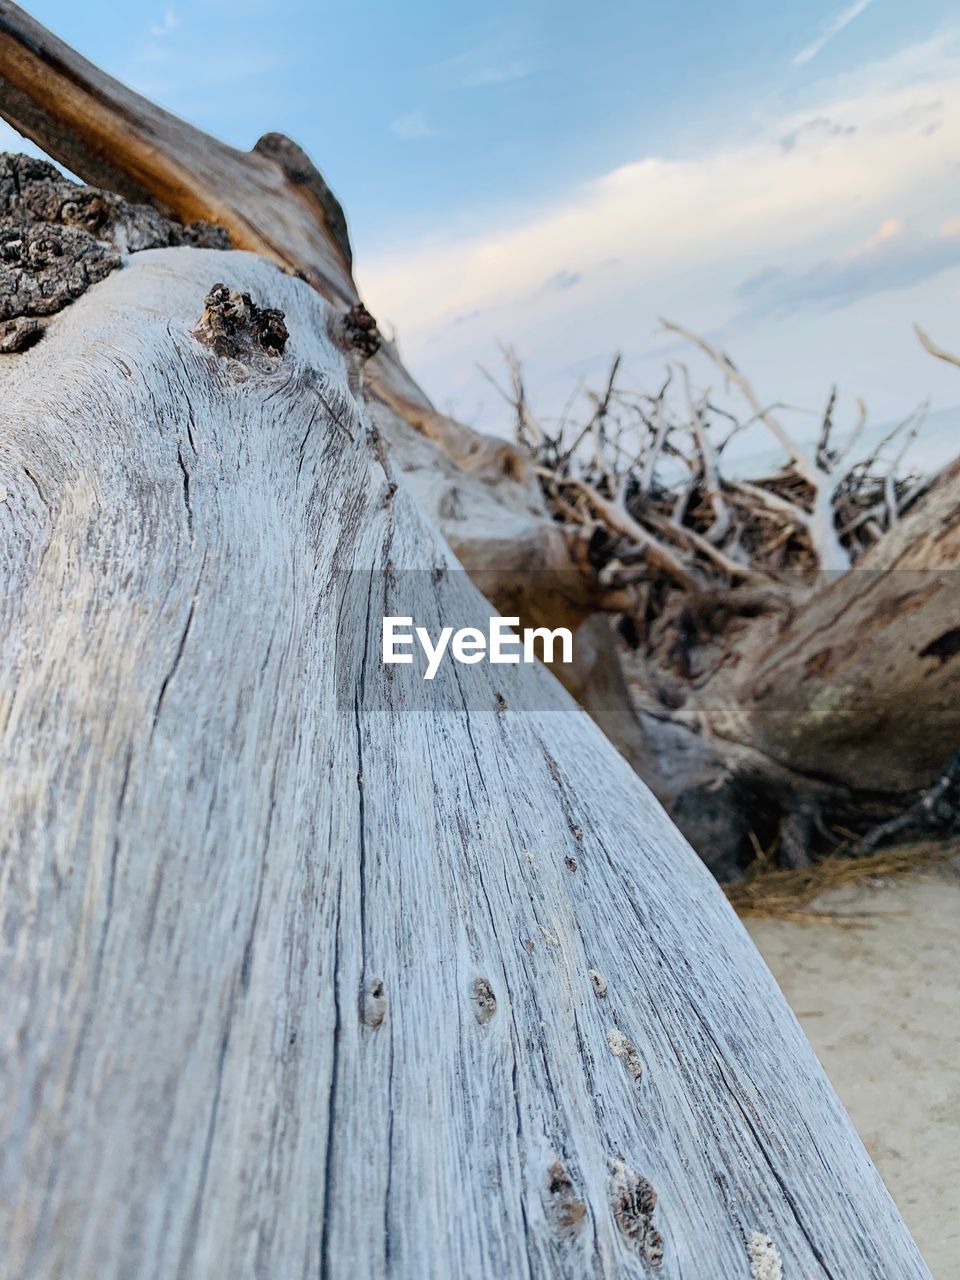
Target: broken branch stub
{"x": 234, "y": 325}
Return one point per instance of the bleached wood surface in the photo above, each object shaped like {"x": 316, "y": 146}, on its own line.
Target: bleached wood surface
{"x": 299, "y": 981}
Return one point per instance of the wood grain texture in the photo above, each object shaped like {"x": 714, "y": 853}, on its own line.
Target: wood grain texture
{"x": 298, "y": 980}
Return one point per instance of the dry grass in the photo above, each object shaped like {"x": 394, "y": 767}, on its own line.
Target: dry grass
{"x": 767, "y": 890}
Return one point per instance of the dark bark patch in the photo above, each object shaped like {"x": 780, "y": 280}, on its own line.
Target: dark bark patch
{"x": 652, "y": 1247}
{"x": 45, "y": 267}
{"x": 35, "y": 191}
{"x": 19, "y": 334}
{"x": 58, "y": 238}
{"x": 892, "y": 608}
{"x": 817, "y": 663}
{"x": 205, "y": 235}
{"x": 512, "y": 466}
{"x": 361, "y": 332}
{"x": 233, "y": 325}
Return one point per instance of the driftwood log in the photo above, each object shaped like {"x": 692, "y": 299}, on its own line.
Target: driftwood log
{"x": 306, "y": 974}
{"x": 830, "y": 707}
{"x": 310, "y": 971}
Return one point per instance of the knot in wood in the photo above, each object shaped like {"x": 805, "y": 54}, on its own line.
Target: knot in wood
{"x": 483, "y": 999}
{"x": 233, "y": 325}
{"x": 361, "y": 332}
{"x": 633, "y": 1200}
{"x": 599, "y": 987}
{"x": 622, "y": 1048}
{"x": 565, "y": 1209}
{"x": 373, "y": 1007}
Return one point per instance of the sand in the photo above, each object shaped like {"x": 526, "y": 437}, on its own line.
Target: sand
{"x": 881, "y": 1006}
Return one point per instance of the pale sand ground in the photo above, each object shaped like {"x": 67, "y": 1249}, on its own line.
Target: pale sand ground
{"x": 881, "y": 1006}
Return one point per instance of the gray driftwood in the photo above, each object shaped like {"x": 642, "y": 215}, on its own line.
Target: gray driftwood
{"x": 779, "y": 717}
{"x": 304, "y": 973}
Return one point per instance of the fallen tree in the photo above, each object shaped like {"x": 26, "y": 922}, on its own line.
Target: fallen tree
{"x": 298, "y": 961}
{"x": 792, "y": 679}
{"x": 713, "y": 580}
{"x": 311, "y": 975}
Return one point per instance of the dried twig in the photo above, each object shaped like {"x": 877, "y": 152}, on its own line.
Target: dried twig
{"x": 934, "y": 350}
{"x": 641, "y": 476}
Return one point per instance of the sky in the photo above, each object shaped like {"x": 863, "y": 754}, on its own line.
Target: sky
{"x": 556, "y": 176}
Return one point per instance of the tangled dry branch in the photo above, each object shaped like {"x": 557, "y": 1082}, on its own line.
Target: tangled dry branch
{"x": 644, "y": 479}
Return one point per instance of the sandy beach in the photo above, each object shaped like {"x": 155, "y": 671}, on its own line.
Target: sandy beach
{"x": 881, "y": 1006}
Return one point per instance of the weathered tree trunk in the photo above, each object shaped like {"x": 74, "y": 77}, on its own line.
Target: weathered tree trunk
{"x": 312, "y": 971}
{"x": 845, "y": 711}
{"x": 307, "y": 973}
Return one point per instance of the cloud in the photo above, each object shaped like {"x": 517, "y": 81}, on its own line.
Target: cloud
{"x": 833, "y": 28}
{"x": 557, "y": 283}
{"x": 478, "y": 69}
{"x": 169, "y": 21}
{"x": 659, "y": 215}
{"x": 680, "y": 234}
{"x": 894, "y": 257}
{"x": 819, "y": 126}
{"x": 562, "y": 279}
{"x": 413, "y": 124}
